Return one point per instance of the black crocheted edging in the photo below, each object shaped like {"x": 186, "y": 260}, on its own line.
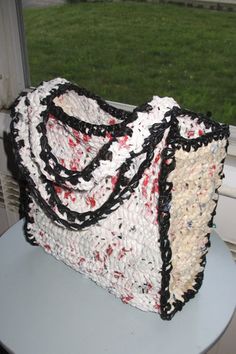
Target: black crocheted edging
{"x": 76, "y": 123}
{"x": 174, "y": 142}
{"x": 29, "y": 220}
{"x": 25, "y": 199}
{"x": 115, "y": 131}
{"x": 116, "y": 197}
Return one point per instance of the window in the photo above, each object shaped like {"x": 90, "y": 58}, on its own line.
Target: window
{"x": 129, "y": 51}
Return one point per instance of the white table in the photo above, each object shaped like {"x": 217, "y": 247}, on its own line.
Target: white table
{"x": 48, "y": 308}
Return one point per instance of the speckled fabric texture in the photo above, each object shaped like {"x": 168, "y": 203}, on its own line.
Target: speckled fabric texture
{"x": 125, "y": 198}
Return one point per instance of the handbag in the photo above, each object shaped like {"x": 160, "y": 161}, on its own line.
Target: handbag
{"x": 125, "y": 198}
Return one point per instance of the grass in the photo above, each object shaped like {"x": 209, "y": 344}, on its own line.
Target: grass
{"x": 129, "y": 51}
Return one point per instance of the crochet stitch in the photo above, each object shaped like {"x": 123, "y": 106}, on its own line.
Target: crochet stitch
{"x": 125, "y": 198}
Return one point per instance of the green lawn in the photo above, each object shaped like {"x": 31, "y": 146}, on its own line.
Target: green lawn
{"x": 130, "y": 51}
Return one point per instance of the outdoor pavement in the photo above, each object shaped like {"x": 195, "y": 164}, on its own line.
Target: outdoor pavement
{"x": 41, "y": 3}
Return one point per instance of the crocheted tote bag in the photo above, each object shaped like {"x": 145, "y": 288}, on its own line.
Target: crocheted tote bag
{"x": 125, "y": 198}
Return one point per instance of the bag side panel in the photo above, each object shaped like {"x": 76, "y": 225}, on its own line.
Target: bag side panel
{"x": 195, "y": 180}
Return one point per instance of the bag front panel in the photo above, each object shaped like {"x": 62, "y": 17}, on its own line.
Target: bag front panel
{"x": 119, "y": 253}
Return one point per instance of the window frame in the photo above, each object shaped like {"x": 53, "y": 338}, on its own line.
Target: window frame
{"x": 14, "y": 68}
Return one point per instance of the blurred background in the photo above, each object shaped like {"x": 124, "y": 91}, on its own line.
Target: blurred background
{"x": 128, "y": 51}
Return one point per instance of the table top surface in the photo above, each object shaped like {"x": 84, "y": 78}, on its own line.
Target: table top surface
{"x": 46, "y": 307}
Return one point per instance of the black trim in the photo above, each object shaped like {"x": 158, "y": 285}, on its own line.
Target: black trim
{"x": 115, "y": 131}
{"x": 123, "y": 188}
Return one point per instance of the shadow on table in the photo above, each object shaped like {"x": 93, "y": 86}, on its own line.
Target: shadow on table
{"x": 4, "y": 349}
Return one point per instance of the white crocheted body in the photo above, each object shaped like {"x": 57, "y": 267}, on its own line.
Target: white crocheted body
{"x": 120, "y": 253}
{"x": 148, "y": 257}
